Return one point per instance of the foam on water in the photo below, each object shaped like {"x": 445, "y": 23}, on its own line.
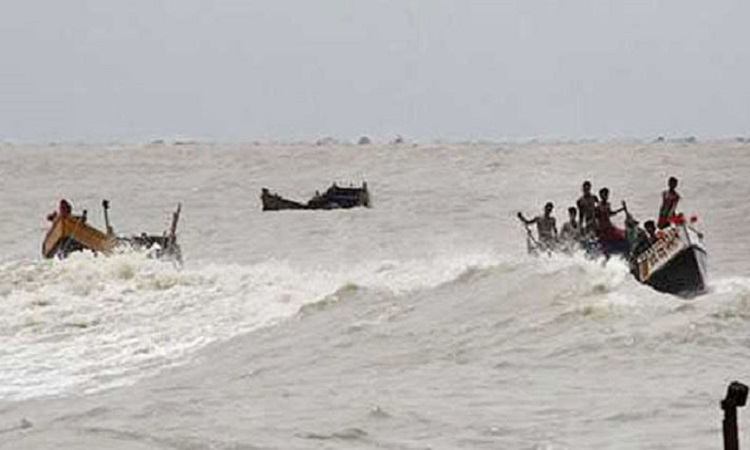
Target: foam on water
{"x": 90, "y": 323}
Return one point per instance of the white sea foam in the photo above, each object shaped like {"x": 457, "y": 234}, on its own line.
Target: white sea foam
{"x": 89, "y": 323}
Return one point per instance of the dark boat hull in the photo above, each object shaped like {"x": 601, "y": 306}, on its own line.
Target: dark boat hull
{"x": 334, "y": 198}
{"x": 675, "y": 264}
{"x": 273, "y": 202}
{"x": 684, "y": 274}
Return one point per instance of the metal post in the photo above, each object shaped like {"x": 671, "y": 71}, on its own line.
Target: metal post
{"x": 736, "y": 397}
{"x": 731, "y": 440}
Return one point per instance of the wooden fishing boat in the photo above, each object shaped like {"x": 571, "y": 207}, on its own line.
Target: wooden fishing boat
{"x": 676, "y": 263}
{"x": 70, "y": 233}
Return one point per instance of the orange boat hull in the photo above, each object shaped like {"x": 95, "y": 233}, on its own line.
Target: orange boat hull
{"x": 70, "y": 233}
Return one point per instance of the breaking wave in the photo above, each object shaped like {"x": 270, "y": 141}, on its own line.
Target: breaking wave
{"x": 90, "y": 323}
{"x": 87, "y": 323}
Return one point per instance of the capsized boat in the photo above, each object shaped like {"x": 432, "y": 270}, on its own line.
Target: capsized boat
{"x": 335, "y": 197}
{"x": 71, "y": 233}
{"x": 675, "y": 263}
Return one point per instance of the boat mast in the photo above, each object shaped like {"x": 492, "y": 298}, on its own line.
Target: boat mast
{"x": 105, "y": 206}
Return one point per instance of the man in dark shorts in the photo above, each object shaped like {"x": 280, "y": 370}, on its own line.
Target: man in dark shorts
{"x": 546, "y": 226}
{"x": 587, "y": 208}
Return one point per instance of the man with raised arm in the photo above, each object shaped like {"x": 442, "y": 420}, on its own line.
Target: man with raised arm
{"x": 546, "y": 226}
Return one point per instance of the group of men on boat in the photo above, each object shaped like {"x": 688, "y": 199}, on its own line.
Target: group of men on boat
{"x": 590, "y": 227}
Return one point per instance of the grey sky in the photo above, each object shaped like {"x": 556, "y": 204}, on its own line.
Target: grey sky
{"x": 245, "y": 69}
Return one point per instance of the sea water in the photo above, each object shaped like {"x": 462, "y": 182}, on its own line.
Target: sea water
{"x": 419, "y": 323}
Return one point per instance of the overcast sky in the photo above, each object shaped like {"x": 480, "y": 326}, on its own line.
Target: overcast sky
{"x": 276, "y": 69}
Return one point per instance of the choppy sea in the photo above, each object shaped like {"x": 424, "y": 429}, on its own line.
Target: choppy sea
{"x": 420, "y": 323}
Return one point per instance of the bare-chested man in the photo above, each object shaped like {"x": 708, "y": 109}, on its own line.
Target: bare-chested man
{"x": 571, "y": 230}
{"x": 546, "y": 226}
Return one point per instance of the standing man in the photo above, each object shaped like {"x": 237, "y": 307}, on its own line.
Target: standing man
{"x": 612, "y": 238}
{"x": 546, "y": 226}
{"x": 669, "y": 200}
{"x": 587, "y": 208}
